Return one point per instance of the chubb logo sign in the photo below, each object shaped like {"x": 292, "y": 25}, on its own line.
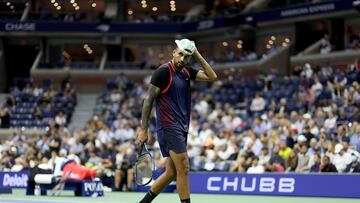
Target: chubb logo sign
{"x": 15, "y": 180}
{"x": 261, "y": 184}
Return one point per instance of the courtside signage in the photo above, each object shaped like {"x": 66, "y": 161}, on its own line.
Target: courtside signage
{"x": 20, "y": 26}
{"x": 316, "y": 185}
{"x": 13, "y": 180}
{"x": 92, "y": 188}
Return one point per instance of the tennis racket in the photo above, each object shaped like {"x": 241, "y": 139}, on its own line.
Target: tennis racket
{"x": 59, "y": 187}
{"x": 144, "y": 166}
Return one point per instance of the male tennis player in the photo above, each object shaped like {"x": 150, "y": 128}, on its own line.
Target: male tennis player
{"x": 170, "y": 88}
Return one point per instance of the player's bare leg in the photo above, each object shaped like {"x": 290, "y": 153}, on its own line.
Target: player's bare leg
{"x": 160, "y": 184}
{"x": 181, "y": 162}
{"x": 166, "y": 178}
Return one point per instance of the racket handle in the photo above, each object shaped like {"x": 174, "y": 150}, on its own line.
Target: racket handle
{"x": 141, "y": 145}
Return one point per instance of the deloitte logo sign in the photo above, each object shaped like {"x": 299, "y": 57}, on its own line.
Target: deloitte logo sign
{"x": 17, "y": 180}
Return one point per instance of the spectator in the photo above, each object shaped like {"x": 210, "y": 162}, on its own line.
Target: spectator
{"x": 264, "y": 156}
{"x": 285, "y": 151}
{"x": 54, "y": 142}
{"x": 302, "y": 140}
{"x": 60, "y": 119}
{"x": 327, "y": 166}
{"x": 105, "y": 135}
{"x": 259, "y": 126}
{"x": 341, "y": 159}
{"x": 309, "y": 136}
{"x": 296, "y": 122}
{"x": 330, "y": 123}
{"x": 315, "y": 168}
{"x": 258, "y": 104}
{"x": 354, "y": 166}
{"x": 124, "y": 133}
{"x": 256, "y": 167}
{"x": 239, "y": 165}
{"x": 5, "y": 115}
{"x": 276, "y": 162}
{"x": 317, "y": 87}
{"x": 292, "y": 162}
{"x": 303, "y": 162}
{"x": 314, "y": 147}
{"x": 355, "y": 138}
{"x": 325, "y": 46}
{"x": 18, "y": 166}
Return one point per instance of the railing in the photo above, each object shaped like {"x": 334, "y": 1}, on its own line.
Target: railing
{"x": 345, "y": 57}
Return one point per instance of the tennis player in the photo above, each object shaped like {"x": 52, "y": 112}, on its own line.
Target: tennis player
{"x": 170, "y": 89}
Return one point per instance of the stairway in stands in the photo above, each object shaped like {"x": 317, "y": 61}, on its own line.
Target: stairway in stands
{"x": 83, "y": 111}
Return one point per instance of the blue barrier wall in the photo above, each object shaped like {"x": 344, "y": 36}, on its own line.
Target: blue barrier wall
{"x": 315, "y": 185}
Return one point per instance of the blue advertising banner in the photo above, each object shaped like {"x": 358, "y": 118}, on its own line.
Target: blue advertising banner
{"x": 92, "y": 188}
{"x": 33, "y": 26}
{"x": 274, "y": 14}
{"x": 315, "y": 185}
{"x": 13, "y": 179}
{"x": 296, "y": 11}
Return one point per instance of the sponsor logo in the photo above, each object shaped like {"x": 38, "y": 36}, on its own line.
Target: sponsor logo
{"x": 103, "y": 27}
{"x": 15, "y": 180}
{"x": 20, "y": 26}
{"x": 205, "y": 24}
{"x": 262, "y": 184}
{"x": 308, "y": 10}
{"x": 93, "y": 187}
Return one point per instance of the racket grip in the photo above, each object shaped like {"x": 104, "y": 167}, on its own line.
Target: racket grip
{"x": 141, "y": 145}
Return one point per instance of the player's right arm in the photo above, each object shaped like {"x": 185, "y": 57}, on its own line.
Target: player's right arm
{"x": 159, "y": 81}
{"x": 153, "y": 92}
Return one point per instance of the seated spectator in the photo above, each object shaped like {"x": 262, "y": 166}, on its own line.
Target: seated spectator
{"x": 292, "y": 162}
{"x": 326, "y": 166}
{"x": 258, "y": 104}
{"x": 105, "y": 134}
{"x": 303, "y": 162}
{"x": 341, "y": 159}
{"x": 313, "y": 147}
{"x": 124, "y": 133}
{"x": 315, "y": 168}
{"x": 354, "y": 166}
{"x": 264, "y": 156}
{"x": 48, "y": 112}
{"x": 60, "y": 119}
{"x": 276, "y": 162}
{"x": 5, "y": 115}
{"x": 18, "y": 166}
{"x": 259, "y": 127}
{"x": 330, "y": 122}
{"x": 238, "y": 165}
{"x": 325, "y": 46}
{"x": 256, "y": 167}
{"x": 285, "y": 151}
{"x": 317, "y": 86}
{"x": 355, "y": 138}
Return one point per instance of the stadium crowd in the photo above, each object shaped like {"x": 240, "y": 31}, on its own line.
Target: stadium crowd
{"x": 306, "y": 122}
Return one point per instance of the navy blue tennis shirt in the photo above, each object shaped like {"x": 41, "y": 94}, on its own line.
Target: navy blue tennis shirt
{"x": 173, "y": 104}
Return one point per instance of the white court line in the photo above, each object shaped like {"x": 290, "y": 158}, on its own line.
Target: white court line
{"x": 42, "y": 200}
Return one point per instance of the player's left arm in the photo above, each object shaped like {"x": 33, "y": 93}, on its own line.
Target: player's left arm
{"x": 207, "y": 73}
